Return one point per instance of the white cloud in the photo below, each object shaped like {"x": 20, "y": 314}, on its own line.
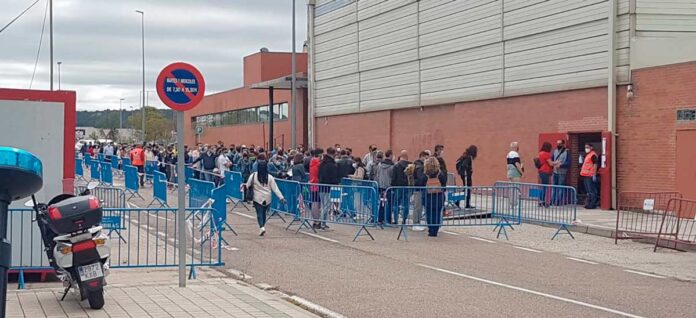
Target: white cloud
{"x": 99, "y": 41}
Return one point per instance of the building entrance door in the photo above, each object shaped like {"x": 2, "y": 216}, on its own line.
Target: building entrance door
{"x": 686, "y": 170}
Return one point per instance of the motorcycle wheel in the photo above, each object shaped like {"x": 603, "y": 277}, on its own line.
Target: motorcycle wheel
{"x": 96, "y": 299}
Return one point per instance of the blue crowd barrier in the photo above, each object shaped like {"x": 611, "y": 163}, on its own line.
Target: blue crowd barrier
{"x": 159, "y": 189}
{"x": 79, "y": 170}
{"x": 105, "y": 172}
{"x": 88, "y": 160}
{"x": 150, "y": 168}
{"x": 410, "y": 206}
{"x": 323, "y": 204}
{"x": 291, "y": 193}
{"x": 232, "y": 182}
{"x": 219, "y": 206}
{"x": 100, "y": 157}
{"x": 149, "y": 238}
{"x": 200, "y": 192}
{"x": 546, "y": 204}
{"x": 132, "y": 181}
{"x": 126, "y": 162}
{"x": 94, "y": 170}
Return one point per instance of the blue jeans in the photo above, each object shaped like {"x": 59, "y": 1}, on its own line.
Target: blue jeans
{"x": 434, "y": 202}
{"x": 544, "y": 181}
{"x": 208, "y": 176}
{"x": 402, "y": 200}
{"x": 591, "y": 190}
{"x": 261, "y": 211}
{"x": 559, "y": 195}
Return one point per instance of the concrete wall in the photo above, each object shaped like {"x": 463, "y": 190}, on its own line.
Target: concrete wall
{"x": 374, "y": 55}
{"x": 489, "y": 124}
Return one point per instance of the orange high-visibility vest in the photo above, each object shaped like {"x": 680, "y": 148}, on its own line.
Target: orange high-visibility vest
{"x": 136, "y": 156}
{"x": 588, "y": 168}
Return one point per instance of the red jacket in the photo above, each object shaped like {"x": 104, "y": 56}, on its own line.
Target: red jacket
{"x": 314, "y": 172}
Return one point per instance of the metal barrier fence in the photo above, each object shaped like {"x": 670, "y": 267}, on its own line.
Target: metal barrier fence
{"x": 110, "y": 197}
{"x": 150, "y": 168}
{"x": 232, "y": 183}
{"x": 639, "y": 214}
{"x": 94, "y": 170}
{"x": 408, "y": 206}
{"x": 291, "y": 192}
{"x": 678, "y": 226}
{"x": 546, "y": 204}
{"x": 159, "y": 189}
{"x": 132, "y": 181}
{"x": 79, "y": 170}
{"x": 336, "y": 204}
{"x": 148, "y": 238}
{"x": 200, "y": 193}
{"x": 105, "y": 174}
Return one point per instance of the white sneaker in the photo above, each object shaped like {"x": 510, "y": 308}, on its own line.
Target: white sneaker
{"x": 262, "y": 231}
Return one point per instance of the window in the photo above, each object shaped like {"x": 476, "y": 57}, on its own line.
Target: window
{"x": 252, "y": 115}
{"x": 686, "y": 114}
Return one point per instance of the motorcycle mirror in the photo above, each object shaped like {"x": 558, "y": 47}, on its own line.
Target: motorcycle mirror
{"x": 29, "y": 203}
{"x": 92, "y": 185}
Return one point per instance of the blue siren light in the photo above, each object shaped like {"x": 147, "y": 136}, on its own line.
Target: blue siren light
{"x": 21, "y": 173}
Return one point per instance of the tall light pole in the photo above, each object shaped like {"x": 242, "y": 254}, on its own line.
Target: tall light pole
{"x": 293, "y": 87}
{"x": 50, "y": 28}
{"x": 142, "y": 14}
{"x": 59, "y": 63}
{"x": 120, "y": 112}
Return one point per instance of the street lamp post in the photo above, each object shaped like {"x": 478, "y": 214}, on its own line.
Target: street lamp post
{"x": 142, "y": 14}
{"x": 120, "y": 111}
{"x": 59, "y": 63}
{"x": 293, "y": 88}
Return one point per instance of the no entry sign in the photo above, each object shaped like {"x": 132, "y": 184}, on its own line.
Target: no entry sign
{"x": 180, "y": 86}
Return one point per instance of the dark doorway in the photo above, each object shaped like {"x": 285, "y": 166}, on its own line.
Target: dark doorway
{"x": 577, "y": 144}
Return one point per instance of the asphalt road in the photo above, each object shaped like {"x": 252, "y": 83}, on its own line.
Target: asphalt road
{"x": 453, "y": 275}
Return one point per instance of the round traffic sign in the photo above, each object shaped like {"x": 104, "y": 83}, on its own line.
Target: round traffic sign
{"x": 199, "y": 130}
{"x": 180, "y": 86}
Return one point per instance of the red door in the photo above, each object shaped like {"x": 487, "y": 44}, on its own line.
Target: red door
{"x": 686, "y": 156}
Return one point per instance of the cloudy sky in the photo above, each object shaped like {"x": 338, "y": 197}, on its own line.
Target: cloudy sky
{"x": 99, "y": 43}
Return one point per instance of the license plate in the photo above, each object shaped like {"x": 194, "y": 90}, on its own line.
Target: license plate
{"x": 90, "y": 271}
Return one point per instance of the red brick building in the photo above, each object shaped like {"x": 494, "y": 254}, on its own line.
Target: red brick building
{"x": 240, "y": 115}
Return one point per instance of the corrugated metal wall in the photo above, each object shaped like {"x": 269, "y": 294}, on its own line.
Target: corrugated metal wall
{"x": 385, "y": 54}
{"x": 657, "y": 17}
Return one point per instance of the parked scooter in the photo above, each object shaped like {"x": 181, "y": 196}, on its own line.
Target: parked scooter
{"x": 75, "y": 245}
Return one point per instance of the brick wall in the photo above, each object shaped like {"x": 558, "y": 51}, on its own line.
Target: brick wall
{"x": 647, "y": 126}
{"x": 489, "y": 124}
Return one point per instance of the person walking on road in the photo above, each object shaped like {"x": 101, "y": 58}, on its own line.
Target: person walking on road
{"x": 434, "y": 195}
{"x": 589, "y": 174}
{"x": 263, "y": 183}
{"x": 137, "y": 157}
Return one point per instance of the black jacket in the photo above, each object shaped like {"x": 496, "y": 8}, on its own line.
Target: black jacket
{"x": 345, "y": 168}
{"x": 420, "y": 179}
{"x": 208, "y": 161}
{"x": 464, "y": 166}
{"x": 299, "y": 174}
{"x": 399, "y": 178}
{"x": 328, "y": 171}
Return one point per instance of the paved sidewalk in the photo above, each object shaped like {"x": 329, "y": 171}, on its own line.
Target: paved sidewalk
{"x": 221, "y": 297}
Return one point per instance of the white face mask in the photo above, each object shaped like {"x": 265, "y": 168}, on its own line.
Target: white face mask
{"x": 355, "y": 165}
{"x": 587, "y": 150}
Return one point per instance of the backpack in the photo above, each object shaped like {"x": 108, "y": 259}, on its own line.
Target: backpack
{"x": 537, "y": 163}
{"x": 434, "y": 185}
{"x": 410, "y": 172}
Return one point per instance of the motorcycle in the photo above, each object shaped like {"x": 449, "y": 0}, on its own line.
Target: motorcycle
{"x": 74, "y": 242}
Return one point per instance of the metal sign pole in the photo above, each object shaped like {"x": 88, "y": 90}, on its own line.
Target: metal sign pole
{"x": 181, "y": 180}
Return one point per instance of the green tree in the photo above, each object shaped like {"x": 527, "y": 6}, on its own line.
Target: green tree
{"x": 112, "y": 134}
{"x": 157, "y": 126}
{"x": 93, "y": 135}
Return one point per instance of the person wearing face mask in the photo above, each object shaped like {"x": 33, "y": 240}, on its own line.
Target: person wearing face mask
{"x": 207, "y": 160}
{"x": 589, "y": 173}
{"x": 561, "y": 162}
{"x": 440, "y": 155}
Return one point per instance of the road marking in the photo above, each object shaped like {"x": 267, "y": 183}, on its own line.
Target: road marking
{"x": 533, "y": 292}
{"x": 526, "y": 249}
{"x": 581, "y": 260}
{"x": 230, "y": 248}
{"x": 451, "y": 233}
{"x": 132, "y": 205}
{"x": 245, "y": 215}
{"x": 481, "y": 239}
{"x": 644, "y": 274}
{"x": 320, "y": 237}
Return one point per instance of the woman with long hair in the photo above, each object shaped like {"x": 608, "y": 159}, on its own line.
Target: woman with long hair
{"x": 434, "y": 194}
{"x": 263, "y": 183}
{"x": 465, "y": 171}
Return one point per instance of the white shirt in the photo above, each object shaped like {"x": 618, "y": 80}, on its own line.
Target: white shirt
{"x": 108, "y": 150}
{"x": 262, "y": 194}
{"x": 221, "y": 163}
